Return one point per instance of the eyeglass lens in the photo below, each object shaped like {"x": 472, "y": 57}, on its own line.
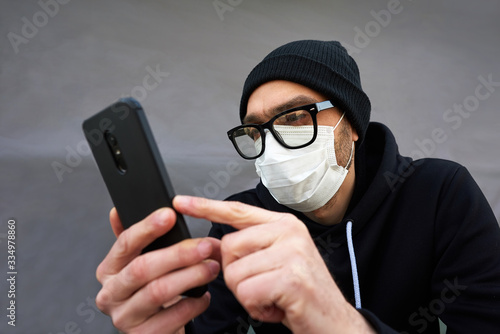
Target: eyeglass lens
{"x": 292, "y": 129}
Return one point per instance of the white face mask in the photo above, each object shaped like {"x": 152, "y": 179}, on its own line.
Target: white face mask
{"x": 302, "y": 179}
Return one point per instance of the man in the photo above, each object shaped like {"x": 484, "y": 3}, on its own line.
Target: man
{"x": 342, "y": 235}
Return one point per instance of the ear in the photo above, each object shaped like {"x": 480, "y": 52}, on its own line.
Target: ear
{"x": 354, "y": 133}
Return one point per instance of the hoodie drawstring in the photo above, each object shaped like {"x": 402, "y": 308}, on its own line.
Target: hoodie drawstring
{"x": 354, "y": 268}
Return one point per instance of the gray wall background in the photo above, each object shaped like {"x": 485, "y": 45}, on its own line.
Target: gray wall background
{"x": 424, "y": 59}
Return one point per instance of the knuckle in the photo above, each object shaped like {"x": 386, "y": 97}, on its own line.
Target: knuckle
{"x": 123, "y": 244}
{"x": 138, "y": 269}
{"x": 301, "y": 244}
{"x": 226, "y": 243}
{"x": 245, "y": 296}
{"x": 296, "y": 230}
{"x": 203, "y": 203}
{"x": 200, "y": 274}
{"x": 302, "y": 229}
{"x": 293, "y": 223}
{"x": 230, "y": 277}
{"x": 157, "y": 292}
{"x": 100, "y": 272}
{"x": 239, "y": 209}
{"x": 185, "y": 251}
{"x": 288, "y": 216}
{"x": 103, "y": 300}
{"x": 183, "y": 310}
{"x": 229, "y": 249}
{"x": 119, "y": 322}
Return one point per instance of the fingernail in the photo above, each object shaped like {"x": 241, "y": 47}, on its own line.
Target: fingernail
{"x": 162, "y": 216}
{"x": 214, "y": 267}
{"x": 181, "y": 200}
{"x": 207, "y": 296}
{"x": 205, "y": 248}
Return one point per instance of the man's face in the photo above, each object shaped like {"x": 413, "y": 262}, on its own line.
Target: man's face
{"x": 276, "y": 96}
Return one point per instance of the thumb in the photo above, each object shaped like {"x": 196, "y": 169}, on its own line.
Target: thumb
{"x": 116, "y": 224}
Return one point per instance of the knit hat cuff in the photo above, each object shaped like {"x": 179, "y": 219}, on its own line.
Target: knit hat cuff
{"x": 317, "y": 76}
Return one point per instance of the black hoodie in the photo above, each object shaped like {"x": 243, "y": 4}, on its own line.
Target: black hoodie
{"x": 426, "y": 242}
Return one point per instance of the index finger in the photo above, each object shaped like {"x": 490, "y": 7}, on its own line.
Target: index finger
{"x": 236, "y": 214}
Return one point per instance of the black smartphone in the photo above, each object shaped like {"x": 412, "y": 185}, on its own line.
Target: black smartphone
{"x": 130, "y": 163}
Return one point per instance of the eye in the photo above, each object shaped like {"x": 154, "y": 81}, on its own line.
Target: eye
{"x": 294, "y": 118}
{"x": 252, "y": 133}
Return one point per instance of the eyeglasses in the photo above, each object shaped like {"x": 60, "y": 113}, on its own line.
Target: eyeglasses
{"x": 250, "y": 139}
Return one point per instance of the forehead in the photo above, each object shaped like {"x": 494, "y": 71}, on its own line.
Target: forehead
{"x": 276, "y": 96}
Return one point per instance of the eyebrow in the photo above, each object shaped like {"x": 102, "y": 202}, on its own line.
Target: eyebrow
{"x": 296, "y": 101}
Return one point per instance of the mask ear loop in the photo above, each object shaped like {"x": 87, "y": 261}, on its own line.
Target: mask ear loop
{"x": 340, "y": 120}
{"x": 350, "y": 157}
{"x": 352, "y": 148}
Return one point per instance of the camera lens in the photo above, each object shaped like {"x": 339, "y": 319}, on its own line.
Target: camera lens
{"x": 111, "y": 139}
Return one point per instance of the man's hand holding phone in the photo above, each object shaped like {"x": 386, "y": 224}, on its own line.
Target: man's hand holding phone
{"x": 141, "y": 292}
{"x": 271, "y": 265}
{"x": 147, "y": 269}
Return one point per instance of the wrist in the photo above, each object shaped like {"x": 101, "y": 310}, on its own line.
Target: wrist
{"x": 358, "y": 323}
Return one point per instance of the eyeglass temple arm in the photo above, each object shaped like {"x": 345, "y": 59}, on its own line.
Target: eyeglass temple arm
{"x": 324, "y": 105}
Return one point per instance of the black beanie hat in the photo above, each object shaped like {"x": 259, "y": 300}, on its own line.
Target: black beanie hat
{"x": 325, "y": 67}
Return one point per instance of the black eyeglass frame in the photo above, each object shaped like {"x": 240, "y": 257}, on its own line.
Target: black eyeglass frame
{"x": 313, "y": 109}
